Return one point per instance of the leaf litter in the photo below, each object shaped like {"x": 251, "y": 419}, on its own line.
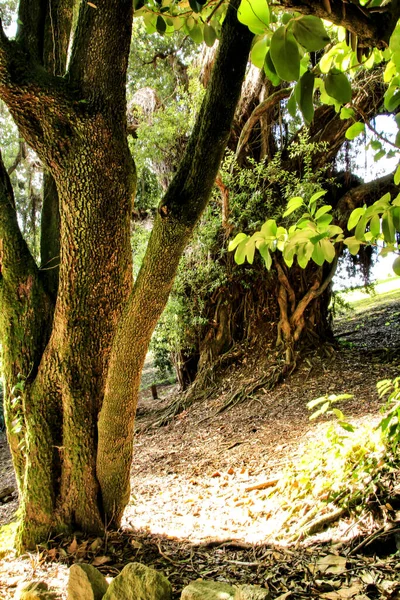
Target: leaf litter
{"x": 218, "y": 496}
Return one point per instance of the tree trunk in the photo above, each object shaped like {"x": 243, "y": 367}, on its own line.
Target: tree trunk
{"x": 75, "y": 337}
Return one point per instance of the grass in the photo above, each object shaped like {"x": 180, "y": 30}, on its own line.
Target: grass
{"x": 384, "y": 291}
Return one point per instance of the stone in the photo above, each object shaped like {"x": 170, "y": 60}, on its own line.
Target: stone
{"x": 85, "y": 582}
{"x": 138, "y": 582}
{"x": 208, "y": 590}
{"x": 34, "y": 590}
{"x": 251, "y": 592}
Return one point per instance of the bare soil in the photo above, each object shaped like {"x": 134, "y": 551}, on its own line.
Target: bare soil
{"x": 192, "y": 514}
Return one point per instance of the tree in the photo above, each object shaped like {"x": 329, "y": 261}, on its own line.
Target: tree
{"x": 75, "y": 329}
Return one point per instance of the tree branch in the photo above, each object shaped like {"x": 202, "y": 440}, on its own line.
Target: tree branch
{"x": 257, "y": 113}
{"x": 100, "y": 51}
{"x": 372, "y": 28}
{"x": 366, "y": 193}
{"x": 178, "y": 213}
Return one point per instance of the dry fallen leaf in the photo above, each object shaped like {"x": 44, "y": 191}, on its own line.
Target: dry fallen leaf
{"x": 72, "y": 548}
{"x": 329, "y": 564}
{"x": 100, "y": 560}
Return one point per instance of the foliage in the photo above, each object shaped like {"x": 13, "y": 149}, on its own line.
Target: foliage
{"x": 390, "y": 424}
{"x": 206, "y": 270}
{"x": 313, "y": 236}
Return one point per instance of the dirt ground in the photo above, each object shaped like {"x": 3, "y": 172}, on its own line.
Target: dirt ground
{"x": 191, "y": 512}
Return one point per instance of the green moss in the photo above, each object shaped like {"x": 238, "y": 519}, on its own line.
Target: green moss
{"x": 7, "y": 538}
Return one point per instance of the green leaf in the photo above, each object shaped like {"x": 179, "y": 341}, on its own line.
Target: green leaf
{"x": 327, "y": 249}
{"x": 317, "y": 196}
{"x": 264, "y": 251}
{"x": 210, "y": 35}
{"x": 388, "y": 229}
{"x": 255, "y": 14}
{"x": 396, "y": 266}
{"x": 259, "y": 51}
{"x": 236, "y": 241}
{"x": 338, "y": 86}
{"x": 354, "y": 130}
{"x": 375, "y": 226}
{"x": 285, "y": 54}
{"x": 195, "y": 6}
{"x": 292, "y": 205}
{"x": 310, "y": 32}
{"x": 269, "y": 70}
{"x": 305, "y": 91}
{"x": 397, "y": 176}
{"x": 240, "y": 254}
{"x": 396, "y": 217}
{"x": 196, "y": 34}
{"x": 321, "y": 211}
{"x": 346, "y": 113}
{"x": 250, "y": 251}
{"x": 161, "y": 25}
{"x": 353, "y": 245}
{"x": 269, "y": 228}
{"x": 355, "y": 217}
{"x": 360, "y": 228}
{"x": 318, "y": 255}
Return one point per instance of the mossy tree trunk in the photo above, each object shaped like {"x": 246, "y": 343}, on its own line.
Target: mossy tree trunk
{"x": 74, "y": 330}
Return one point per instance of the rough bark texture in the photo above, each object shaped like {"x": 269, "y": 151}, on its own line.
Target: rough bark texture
{"x": 176, "y": 218}
{"x": 74, "y": 338}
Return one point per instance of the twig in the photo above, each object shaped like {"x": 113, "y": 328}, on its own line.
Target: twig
{"x": 262, "y": 486}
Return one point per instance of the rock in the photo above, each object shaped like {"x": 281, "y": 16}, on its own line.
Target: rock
{"x": 251, "y": 592}
{"x": 208, "y": 590}
{"x": 34, "y": 590}
{"x": 85, "y": 582}
{"x": 138, "y": 582}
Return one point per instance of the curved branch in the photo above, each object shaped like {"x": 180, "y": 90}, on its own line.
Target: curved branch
{"x": 366, "y": 193}
{"x": 372, "y": 28}
{"x": 257, "y": 113}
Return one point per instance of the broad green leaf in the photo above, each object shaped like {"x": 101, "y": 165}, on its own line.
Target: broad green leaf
{"x": 292, "y": 205}
{"x": 360, "y": 228}
{"x": 318, "y": 255}
{"x": 327, "y": 249}
{"x": 317, "y": 196}
{"x": 255, "y": 14}
{"x": 388, "y": 229}
{"x": 269, "y": 70}
{"x": 210, "y": 35}
{"x": 396, "y": 266}
{"x": 321, "y": 211}
{"x": 305, "y": 91}
{"x": 150, "y": 20}
{"x": 396, "y": 217}
{"x": 338, "y": 86}
{"x": 354, "y": 130}
{"x": 324, "y": 220}
{"x": 310, "y": 32}
{"x": 355, "y": 217}
{"x": 346, "y": 113}
{"x": 285, "y": 54}
{"x": 269, "y": 228}
{"x": 353, "y": 245}
{"x": 259, "y": 51}
{"x": 264, "y": 251}
{"x": 379, "y": 155}
{"x": 250, "y": 251}
{"x": 375, "y": 226}
{"x": 397, "y": 176}
{"x": 392, "y": 96}
{"x": 236, "y": 241}
{"x": 161, "y": 25}
{"x": 195, "y": 6}
{"x": 196, "y": 34}
{"x": 240, "y": 254}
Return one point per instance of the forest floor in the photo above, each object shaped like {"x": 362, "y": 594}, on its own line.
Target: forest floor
{"x": 214, "y": 494}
